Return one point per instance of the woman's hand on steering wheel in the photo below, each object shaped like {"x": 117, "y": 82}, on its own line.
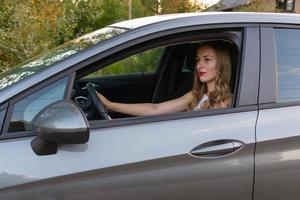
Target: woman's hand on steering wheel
{"x": 103, "y": 99}
{"x": 97, "y": 101}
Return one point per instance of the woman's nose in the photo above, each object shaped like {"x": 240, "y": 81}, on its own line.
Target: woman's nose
{"x": 199, "y": 65}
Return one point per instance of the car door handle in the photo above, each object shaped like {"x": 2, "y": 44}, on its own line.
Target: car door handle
{"x": 217, "y": 148}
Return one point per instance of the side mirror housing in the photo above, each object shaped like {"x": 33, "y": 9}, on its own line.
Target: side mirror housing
{"x": 59, "y": 122}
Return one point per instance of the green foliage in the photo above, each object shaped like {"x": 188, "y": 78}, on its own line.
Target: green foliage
{"x": 138, "y": 9}
{"x": 171, "y": 6}
{"x": 82, "y": 17}
{"x": 257, "y": 6}
{"x": 152, "y": 6}
{"x": 27, "y": 28}
{"x": 179, "y": 6}
{"x": 31, "y": 27}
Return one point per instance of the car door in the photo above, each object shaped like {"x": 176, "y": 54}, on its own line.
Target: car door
{"x": 278, "y": 137}
{"x": 196, "y": 155}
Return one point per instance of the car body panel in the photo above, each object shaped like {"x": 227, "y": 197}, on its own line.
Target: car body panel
{"x": 277, "y": 154}
{"x": 277, "y": 157}
{"x": 249, "y": 76}
{"x": 155, "y": 155}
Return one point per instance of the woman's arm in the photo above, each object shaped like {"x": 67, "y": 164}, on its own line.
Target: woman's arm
{"x": 140, "y": 109}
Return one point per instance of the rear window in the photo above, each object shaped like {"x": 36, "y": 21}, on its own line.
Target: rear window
{"x": 288, "y": 64}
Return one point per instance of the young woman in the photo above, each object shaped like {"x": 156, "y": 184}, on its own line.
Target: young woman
{"x": 211, "y": 87}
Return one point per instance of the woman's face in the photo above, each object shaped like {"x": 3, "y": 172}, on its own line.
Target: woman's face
{"x": 206, "y": 64}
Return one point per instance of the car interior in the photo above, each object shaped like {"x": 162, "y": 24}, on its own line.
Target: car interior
{"x": 171, "y": 77}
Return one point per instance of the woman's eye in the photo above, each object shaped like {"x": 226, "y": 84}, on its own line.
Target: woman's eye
{"x": 206, "y": 59}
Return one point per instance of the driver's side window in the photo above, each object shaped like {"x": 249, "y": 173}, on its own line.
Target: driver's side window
{"x": 144, "y": 62}
{"x": 155, "y": 76}
{"x": 129, "y": 80}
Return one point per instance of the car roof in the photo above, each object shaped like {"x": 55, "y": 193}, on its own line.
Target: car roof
{"x": 145, "y": 26}
{"x": 216, "y": 17}
{"x": 138, "y": 22}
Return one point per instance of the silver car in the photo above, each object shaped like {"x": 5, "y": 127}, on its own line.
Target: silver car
{"x": 57, "y": 142}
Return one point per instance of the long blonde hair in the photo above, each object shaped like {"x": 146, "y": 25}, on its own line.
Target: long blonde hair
{"x": 221, "y": 94}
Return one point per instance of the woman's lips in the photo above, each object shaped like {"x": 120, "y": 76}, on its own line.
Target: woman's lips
{"x": 201, "y": 73}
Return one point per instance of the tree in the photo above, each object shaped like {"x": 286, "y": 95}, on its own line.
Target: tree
{"x": 179, "y": 6}
{"x": 171, "y": 6}
{"x": 152, "y": 7}
{"x": 138, "y": 9}
{"x": 257, "y": 6}
{"x": 27, "y": 28}
{"x": 113, "y": 11}
{"x": 30, "y": 27}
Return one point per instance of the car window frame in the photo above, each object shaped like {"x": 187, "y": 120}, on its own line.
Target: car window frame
{"x": 10, "y": 108}
{"x": 3, "y": 108}
{"x": 243, "y": 104}
{"x": 268, "y": 79}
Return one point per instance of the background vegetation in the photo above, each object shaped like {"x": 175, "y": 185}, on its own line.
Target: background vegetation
{"x": 30, "y": 27}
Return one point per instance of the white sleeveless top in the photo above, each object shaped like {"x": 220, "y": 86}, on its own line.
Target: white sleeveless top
{"x": 198, "y": 107}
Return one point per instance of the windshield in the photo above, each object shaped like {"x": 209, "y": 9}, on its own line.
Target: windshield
{"x": 48, "y": 58}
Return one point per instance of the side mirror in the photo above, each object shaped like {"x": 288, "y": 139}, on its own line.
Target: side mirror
{"x": 59, "y": 122}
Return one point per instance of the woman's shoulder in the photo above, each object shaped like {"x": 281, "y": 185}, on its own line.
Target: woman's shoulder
{"x": 226, "y": 103}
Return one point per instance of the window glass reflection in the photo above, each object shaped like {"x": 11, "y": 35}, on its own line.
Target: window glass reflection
{"x": 27, "y": 108}
{"x": 288, "y": 64}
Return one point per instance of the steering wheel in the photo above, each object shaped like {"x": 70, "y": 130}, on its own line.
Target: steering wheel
{"x": 96, "y": 101}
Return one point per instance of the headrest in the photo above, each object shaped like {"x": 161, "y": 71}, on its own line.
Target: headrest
{"x": 190, "y": 56}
